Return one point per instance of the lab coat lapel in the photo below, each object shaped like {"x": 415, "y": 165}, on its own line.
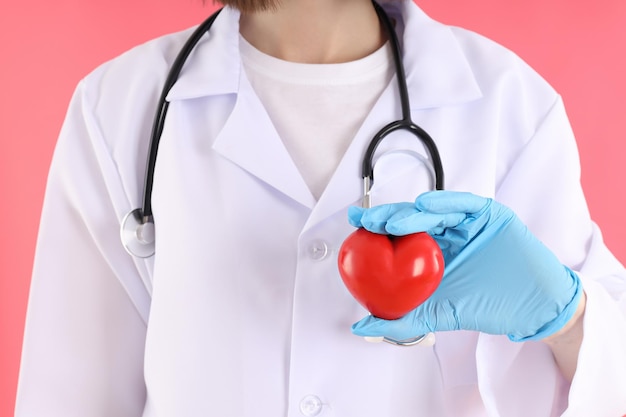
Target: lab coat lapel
{"x": 249, "y": 139}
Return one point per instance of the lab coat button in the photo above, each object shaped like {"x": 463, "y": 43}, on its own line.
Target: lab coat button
{"x": 318, "y": 250}
{"x": 310, "y": 405}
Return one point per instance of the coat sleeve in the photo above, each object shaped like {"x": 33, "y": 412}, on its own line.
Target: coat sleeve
{"x": 86, "y": 321}
{"x": 543, "y": 187}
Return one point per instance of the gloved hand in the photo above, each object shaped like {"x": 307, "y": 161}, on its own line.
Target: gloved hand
{"x": 499, "y": 278}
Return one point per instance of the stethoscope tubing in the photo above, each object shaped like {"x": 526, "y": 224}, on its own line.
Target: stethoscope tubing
{"x": 367, "y": 166}
{"x": 138, "y": 239}
{"x": 406, "y": 123}
{"x": 162, "y": 107}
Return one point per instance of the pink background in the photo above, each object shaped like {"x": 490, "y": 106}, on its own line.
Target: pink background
{"x": 579, "y": 46}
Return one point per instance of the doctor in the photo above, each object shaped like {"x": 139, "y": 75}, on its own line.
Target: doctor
{"x": 241, "y": 312}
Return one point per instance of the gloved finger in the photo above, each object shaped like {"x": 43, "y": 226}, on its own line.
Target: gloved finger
{"x": 450, "y": 202}
{"x": 405, "y": 223}
{"x": 375, "y": 219}
{"x": 400, "y": 329}
{"x": 354, "y": 215}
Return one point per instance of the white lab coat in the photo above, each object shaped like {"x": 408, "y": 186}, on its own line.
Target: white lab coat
{"x": 242, "y": 312}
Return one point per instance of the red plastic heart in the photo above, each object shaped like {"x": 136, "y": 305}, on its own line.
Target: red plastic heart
{"x": 390, "y": 275}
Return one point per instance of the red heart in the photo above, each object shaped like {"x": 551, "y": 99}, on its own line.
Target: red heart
{"x": 390, "y": 275}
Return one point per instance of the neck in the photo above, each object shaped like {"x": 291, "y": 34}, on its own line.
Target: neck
{"x": 315, "y": 31}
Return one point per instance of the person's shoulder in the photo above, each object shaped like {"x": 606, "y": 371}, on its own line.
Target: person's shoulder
{"x": 129, "y": 85}
{"x": 496, "y": 66}
{"x": 119, "y": 97}
{"x": 478, "y": 47}
{"x": 144, "y": 66}
{"x": 469, "y": 56}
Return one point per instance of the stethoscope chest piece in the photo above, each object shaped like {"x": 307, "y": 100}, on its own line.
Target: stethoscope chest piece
{"x": 137, "y": 235}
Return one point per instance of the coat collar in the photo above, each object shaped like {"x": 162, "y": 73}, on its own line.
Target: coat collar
{"x": 438, "y": 73}
{"x": 437, "y": 70}
{"x": 262, "y": 155}
{"x": 214, "y": 65}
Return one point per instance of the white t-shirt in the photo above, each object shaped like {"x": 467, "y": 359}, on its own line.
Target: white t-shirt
{"x": 317, "y": 108}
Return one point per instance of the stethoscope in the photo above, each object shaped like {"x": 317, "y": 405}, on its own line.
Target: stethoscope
{"x": 137, "y": 228}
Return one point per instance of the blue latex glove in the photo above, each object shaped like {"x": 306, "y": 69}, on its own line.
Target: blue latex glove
{"x": 499, "y": 278}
